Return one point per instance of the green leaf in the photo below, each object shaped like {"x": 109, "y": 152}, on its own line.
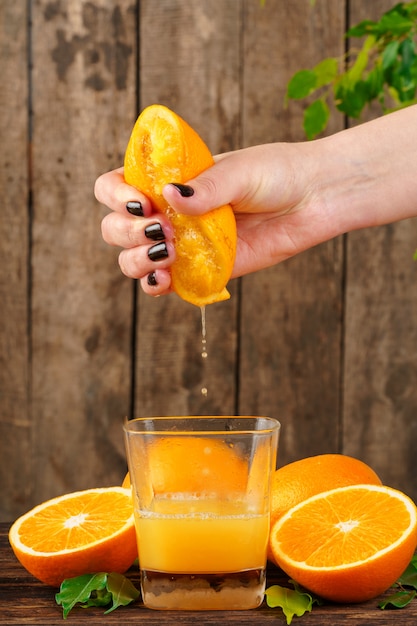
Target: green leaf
{"x": 316, "y": 116}
{"x": 394, "y": 22}
{"x": 292, "y": 602}
{"x": 96, "y": 590}
{"x": 389, "y": 55}
{"x": 325, "y": 71}
{"x": 363, "y": 28}
{"x": 78, "y": 590}
{"x": 122, "y": 590}
{"x": 409, "y": 577}
{"x": 301, "y": 84}
{"x": 351, "y": 100}
{"x": 374, "y": 84}
{"x": 399, "y": 600}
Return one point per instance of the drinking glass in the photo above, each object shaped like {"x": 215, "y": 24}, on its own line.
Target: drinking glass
{"x": 201, "y": 490}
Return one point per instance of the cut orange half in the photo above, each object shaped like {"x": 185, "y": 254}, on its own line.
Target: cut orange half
{"x": 349, "y": 544}
{"x": 78, "y": 533}
{"x": 164, "y": 149}
{"x": 295, "y": 482}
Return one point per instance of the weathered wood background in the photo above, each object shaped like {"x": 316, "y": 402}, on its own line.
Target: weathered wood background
{"x": 325, "y": 342}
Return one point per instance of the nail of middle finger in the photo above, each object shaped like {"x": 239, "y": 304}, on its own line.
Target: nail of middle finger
{"x": 154, "y": 232}
{"x": 158, "y": 251}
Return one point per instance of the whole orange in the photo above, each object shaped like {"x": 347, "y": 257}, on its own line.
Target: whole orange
{"x": 295, "y": 482}
{"x": 193, "y": 464}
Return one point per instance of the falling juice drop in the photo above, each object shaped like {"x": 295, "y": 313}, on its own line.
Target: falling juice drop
{"x": 204, "y": 390}
{"x": 203, "y": 333}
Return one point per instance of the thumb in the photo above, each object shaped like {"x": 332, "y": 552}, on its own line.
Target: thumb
{"x": 223, "y": 183}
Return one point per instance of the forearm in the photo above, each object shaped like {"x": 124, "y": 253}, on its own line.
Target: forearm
{"x": 367, "y": 175}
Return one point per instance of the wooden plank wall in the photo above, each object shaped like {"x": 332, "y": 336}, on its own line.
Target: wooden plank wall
{"x": 326, "y": 342}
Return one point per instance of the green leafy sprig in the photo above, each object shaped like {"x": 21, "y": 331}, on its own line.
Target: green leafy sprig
{"x": 96, "y": 590}
{"x": 293, "y": 602}
{"x": 383, "y": 70}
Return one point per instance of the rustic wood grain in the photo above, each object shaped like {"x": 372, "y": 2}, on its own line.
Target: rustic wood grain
{"x": 191, "y": 63}
{"x": 84, "y": 91}
{"x": 24, "y": 600}
{"x": 15, "y": 411}
{"x": 380, "y": 368}
{"x": 325, "y": 342}
{"x": 291, "y": 314}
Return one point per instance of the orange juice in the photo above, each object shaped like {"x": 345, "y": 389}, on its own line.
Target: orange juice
{"x": 227, "y": 539}
{"x": 216, "y": 552}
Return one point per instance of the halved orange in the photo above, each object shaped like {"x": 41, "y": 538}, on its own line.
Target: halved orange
{"x": 299, "y": 480}
{"x": 164, "y": 149}
{"x": 78, "y": 533}
{"x": 348, "y": 544}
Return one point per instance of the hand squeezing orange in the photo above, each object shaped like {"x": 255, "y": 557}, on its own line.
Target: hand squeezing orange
{"x": 164, "y": 149}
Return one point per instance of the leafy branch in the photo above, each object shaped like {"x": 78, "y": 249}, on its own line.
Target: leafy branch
{"x": 100, "y": 589}
{"x": 383, "y": 70}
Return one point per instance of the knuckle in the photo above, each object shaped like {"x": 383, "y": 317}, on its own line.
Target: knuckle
{"x": 208, "y": 186}
{"x": 106, "y": 231}
{"x": 128, "y": 265}
{"x": 98, "y": 188}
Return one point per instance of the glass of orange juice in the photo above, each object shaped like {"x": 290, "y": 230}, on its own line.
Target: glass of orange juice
{"x": 201, "y": 489}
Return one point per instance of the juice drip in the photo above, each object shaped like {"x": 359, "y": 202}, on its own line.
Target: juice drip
{"x": 203, "y": 342}
{"x": 203, "y": 333}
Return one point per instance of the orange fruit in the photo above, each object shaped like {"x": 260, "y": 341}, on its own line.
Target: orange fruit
{"x": 194, "y": 465}
{"x": 295, "y": 482}
{"x": 78, "y": 533}
{"x": 164, "y": 149}
{"x": 126, "y": 481}
{"x": 348, "y": 544}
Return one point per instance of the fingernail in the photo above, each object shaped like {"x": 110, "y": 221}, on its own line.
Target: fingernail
{"x": 135, "y": 208}
{"x": 158, "y": 252}
{"x": 152, "y": 282}
{"x": 185, "y": 190}
{"x": 154, "y": 232}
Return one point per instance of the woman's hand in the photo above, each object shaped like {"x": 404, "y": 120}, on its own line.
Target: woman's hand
{"x": 258, "y": 182}
{"x": 286, "y": 197}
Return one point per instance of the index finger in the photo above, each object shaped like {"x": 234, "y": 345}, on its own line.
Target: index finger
{"x": 112, "y": 190}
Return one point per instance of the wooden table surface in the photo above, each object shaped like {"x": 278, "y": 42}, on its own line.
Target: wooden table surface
{"x": 24, "y": 600}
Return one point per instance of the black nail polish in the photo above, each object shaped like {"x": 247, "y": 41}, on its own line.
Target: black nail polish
{"x": 185, "y": 190}
{"x": 158, "y": 252}
{"x": 152, "y": 282}
{"x": 135, "y": 208}
{"x": 154, "y": 232}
